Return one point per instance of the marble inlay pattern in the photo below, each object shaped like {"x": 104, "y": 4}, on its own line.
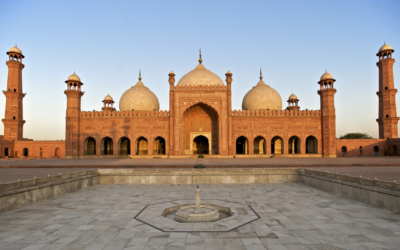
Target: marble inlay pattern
{"x": 292, "y": 216}
{"x": 242, "y": 214}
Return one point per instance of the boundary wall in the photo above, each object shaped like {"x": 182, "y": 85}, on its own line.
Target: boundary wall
{"x": 370, "y": 191}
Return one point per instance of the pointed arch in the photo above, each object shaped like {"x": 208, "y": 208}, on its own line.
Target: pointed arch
{"x": 142, "y": 146}
{"x": 25, "y": 152}
{"x": 277, "y": 145}
{"x": 124, "y": 146}
{"x": 260, "y": 145}
{"x": 294, "y": 145}
{"x": 106, "y": 146}
{"x": 159, "y": 146}
{"x": 198, "y": 118}
{"x": 242, "y": 145}
{"x": 89, "y": 146}
{"x": 311, "y": 145}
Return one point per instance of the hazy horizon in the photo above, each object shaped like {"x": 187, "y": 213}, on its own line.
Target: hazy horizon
{"x": 106, "y": 43}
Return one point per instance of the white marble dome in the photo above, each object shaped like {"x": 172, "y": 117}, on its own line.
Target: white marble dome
{"x": 15, "y": 49}
{"x": 385, "y": 47}
{"x": 74, "y": 77}
{"x": 326, "y": 75}
{"x": 139, "y": 97}
{"x": 108, "y": 98}
{"x": 292, "y": 97}
{"x": 262, "y": 97}
{"x": 200, "y": 76}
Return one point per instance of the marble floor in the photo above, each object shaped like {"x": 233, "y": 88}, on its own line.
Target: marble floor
{"x": 292, "y": 216}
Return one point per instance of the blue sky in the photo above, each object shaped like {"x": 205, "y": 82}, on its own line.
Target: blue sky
{"x": 106, "y": 42}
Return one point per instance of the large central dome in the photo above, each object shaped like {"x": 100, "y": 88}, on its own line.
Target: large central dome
{"x": 200, "y": 76}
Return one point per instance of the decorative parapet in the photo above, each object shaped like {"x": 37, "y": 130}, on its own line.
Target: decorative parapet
{"x": 393, "y": 186}
{"x": 201, "y": 87}
{"x": 129, "y": 113}
{"x": 314, "y": 113}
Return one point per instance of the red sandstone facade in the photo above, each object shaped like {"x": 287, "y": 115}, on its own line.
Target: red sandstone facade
{"x": 200, "y": 121}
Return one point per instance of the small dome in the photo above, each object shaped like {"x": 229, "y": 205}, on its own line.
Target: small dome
{"x": 200, "y": 76}
{"x": 172, "y": 73}
{"x": 74, "y": 77}
{"x": 139, "y": 97}
{"x": 326, "y": 75}
{"x": 15, "y": 50}
{"x": 292, "y": 97}
{"x": 262, "y": 97}
{"x": 108, "y": 98}
{"x": 385, "y": 47}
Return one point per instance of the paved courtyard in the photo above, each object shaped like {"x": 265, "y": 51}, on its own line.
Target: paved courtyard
{"x": 292, "y": 216}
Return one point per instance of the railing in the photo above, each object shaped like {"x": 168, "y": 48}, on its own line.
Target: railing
{"x": 131, "y": 113}
{"x": 314, "y": 113}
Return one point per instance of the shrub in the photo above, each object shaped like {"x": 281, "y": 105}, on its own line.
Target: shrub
{"x": 200, "y": 166}
{"x": 201, "y": 156}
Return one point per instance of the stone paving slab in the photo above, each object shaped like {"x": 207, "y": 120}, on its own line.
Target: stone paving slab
{"x": 293, "y": 216}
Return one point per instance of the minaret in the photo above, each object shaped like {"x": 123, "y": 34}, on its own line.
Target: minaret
{"x": 387, "y": 118}
{"x": 108, "y": 104}
{"x": 328, "y": 115}
{"x": 14, "y": 120}
{"x": 293, "y": 103}
{"x": 171, "y": 81}
{"x": 74, "y": 95}
{"x": 229, "y": 80}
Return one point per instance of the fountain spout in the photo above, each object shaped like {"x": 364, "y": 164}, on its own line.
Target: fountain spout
{"x": 198, "y": 209}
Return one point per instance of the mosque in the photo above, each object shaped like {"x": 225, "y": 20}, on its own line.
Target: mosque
{"x": 200, "y": 120}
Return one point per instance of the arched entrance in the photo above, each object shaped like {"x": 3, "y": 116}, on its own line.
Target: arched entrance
{"x": 124, "y": 146}
{"x": 200, "y": 145}
{"x": 277, "y": 145}
{"x": 142, "y": 146}
{"x": 376, "y": 150}
{"x": 242, "y": 146}
{"x": 159, "y": 146}
{"x": 294, "y": 145}
{"x": 395, "y": 150}
{"x": 6, "y": 152}
{"x": 200, "y": 119}
{"x": 25, "y": 152}
{"x": 311, "y": 145}
{"x": 89, "y": 146}
{"x": 106, "y": 146}
{"x": 260, "y": 145}
{"x": 344, "y": 150}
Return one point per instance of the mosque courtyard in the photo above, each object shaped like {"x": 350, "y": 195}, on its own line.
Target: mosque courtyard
{"x": 289, "y": 216}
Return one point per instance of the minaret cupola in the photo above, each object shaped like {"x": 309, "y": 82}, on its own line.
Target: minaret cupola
{"x": 108, "y": 104}
{"x": 15, "y": 54}
{"x": 293, "y": 103}
{"x": 74, "y": 82}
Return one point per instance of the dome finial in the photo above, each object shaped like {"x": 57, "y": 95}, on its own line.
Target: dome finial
{"x": 140, "y": 75}
{"x": 261, "y": 77}
{"x": 200, "y": 60}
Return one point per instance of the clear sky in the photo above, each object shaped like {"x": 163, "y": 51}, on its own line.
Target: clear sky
{"x": 106, "y": 42}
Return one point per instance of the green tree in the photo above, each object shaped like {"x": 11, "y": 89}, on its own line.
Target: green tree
{"x": 356, "y": 136}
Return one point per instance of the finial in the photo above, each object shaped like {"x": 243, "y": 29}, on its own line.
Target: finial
{"x": 140, "y": 75}
{"x": 261, "y": 77}
{"x": 74, "y": 72}
{"x": 383, "y": 44}
{"x": 326, "y": 71}
{"x": 200, "y": 60}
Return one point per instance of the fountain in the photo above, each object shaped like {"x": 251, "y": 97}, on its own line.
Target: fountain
{"x": 198, "y": 212}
